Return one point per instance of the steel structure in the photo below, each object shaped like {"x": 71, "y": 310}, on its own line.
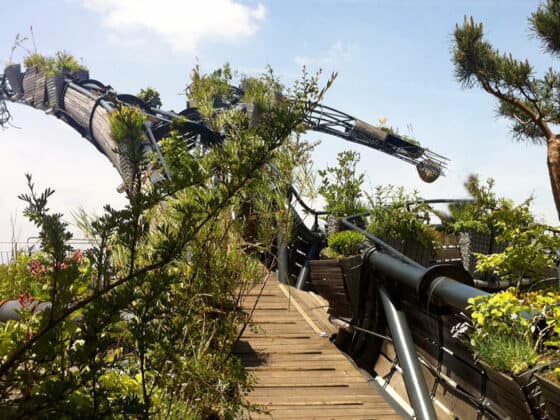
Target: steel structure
{"x": 61, "y": 96}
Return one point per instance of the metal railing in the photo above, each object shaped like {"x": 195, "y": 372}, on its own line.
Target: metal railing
{"x": 442, "y": 285}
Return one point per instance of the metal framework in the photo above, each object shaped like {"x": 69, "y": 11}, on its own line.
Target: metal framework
{"x": 320, "y": 118}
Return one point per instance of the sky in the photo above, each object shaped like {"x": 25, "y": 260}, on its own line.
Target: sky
{"x": 393, "y": 60}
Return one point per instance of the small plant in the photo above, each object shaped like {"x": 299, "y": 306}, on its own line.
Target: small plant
{"x": 514, "y": 331}
{"x": 395, "y": 132}
{"x": 61, "y": 63}
{"x": 488, "y": 213}
{"x": 529, "y": 253}
{"x": 150, "y": 96}
{"x": 341, "y": 186}
{"x": 344, "y": 244}
{"x": 398, "y": 215}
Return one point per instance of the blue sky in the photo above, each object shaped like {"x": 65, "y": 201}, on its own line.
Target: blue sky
{"x": 393, "y": 60}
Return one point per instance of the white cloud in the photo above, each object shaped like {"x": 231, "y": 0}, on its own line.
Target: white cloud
{"x": 337, "y": 53}
{"x": 182, "y": 24}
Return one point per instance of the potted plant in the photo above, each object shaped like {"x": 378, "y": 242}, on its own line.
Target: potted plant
{"x": 483, "y": 225}
{"x": 401, "y": 220}
{"x": 341, "y": 187}
{"x": 515, "y": 335}
{"x": 336, "y": 276}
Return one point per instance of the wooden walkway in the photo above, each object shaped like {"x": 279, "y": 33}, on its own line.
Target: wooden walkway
{"x": 299, "y": 372}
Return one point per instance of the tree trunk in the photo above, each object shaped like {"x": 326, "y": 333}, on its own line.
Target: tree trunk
{"x": 553, "y": 160}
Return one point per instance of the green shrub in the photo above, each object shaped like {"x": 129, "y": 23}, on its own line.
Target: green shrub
{"x": 508, "y": 354}
{"x": 18, "y": 277}
{"x": 529, "y": 253}
{"x": 150, "y": 96}
{"x": 341, "y": 186}
{"x": 344, "y": 244}
{"x": 62, "y": 62}
{"x": 488, "y": 213}
{"x": 554, "y": 375}
{"x": 505, "y": 336}
{"x": 398, "y": 215}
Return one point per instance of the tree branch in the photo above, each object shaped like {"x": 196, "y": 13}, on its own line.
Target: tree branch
{"x": 535, "y": 117}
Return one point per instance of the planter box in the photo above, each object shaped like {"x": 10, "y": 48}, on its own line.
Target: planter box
{"x": 338, "y": 281}
{"x": 15, "y": 78}
{"x": 30, "y": 84}
{"x": 80, "y": 75}
{"x": 413, "y": 250}
{"x": 472, "y": 242}
{"x": 55, "y": 84}
{"x": 515, "y": 397}
{"x": 551, "y": 396}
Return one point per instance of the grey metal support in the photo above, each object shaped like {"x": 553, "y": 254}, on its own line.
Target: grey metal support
{"x": 282, "y": 259}
{"x": 306, "y": 269}
{"x": 404, "y": 345}
{"x": 438, "y": 289}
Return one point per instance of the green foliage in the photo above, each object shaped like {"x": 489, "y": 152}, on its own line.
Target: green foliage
{"x": 529, "y": 246}
{"x": 395, "y": 132}
{"x": 150, "y": 96}
{"x": 489, "y": 213}
{"x": 341, "y": 186}
{"x": 399, "y": 215}
{"x": 205, "y": 90}
{"x": 507, "y": 354}
{"x": 153, "y": 338}
{"x": 554, "y": 375}
{"x": 514, "y": 331}
{"x": 61, "y": 62}
{"x": 529, "y": 253}
{"x": 344, "y": 244}
{"x": 20, "y": 276}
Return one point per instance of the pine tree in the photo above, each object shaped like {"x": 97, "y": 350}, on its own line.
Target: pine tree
{"x": 531, "y": 103}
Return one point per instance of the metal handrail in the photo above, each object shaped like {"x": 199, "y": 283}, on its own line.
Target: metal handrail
{"x": 432, "y": 285}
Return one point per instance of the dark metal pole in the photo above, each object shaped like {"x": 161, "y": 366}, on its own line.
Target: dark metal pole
{"x": 404, "y": 345}
{"x": 306, "y": 269}
{"x": 441, "y": 289}
{"x": 282, "y": 260}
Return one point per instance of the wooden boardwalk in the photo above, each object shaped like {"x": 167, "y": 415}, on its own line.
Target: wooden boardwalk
{"x": 299, "y": 372}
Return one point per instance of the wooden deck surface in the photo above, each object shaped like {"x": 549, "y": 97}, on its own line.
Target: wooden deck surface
{"x": 299, "y": 372}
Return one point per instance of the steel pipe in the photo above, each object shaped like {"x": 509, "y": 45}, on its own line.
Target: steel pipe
{"x": 441, "y": 289}
{"x": 404, "y": 345}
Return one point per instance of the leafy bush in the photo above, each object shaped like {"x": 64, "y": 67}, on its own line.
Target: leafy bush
{"x": 488, "y": 213}
{"x": 530, "y": 253}
{"x": 529, "y": 247}
{"x": 515, "y": 331}
{"x": 341, "y": 186}
{"x": 150, "y": 96}
{"x": 344, "y": 244}
{"x": 398, "y": 215}
{"x": 61, "y": 62}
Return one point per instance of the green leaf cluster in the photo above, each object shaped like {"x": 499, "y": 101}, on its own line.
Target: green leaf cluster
{"x": 398, "y": 215}
{"x": 341, "y": 186}
{"x": 150, "y": 96}
{"x": 488, "y": 213}
{"x": 344, "y": 244}
{"x": 61, "y": 63}
{"x": 514, "y": 331}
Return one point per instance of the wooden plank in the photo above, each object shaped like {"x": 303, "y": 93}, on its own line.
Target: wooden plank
{"x": 299, "y": 373}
